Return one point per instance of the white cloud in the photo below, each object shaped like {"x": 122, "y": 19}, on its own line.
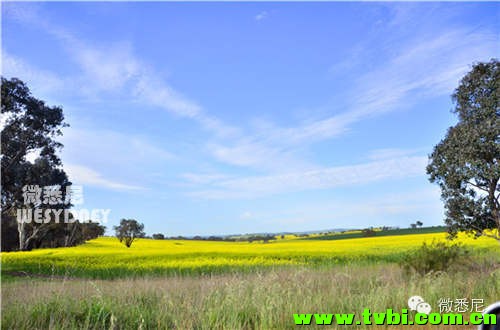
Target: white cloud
{"x": 388, "y": 153}
{"x": 24, "y": 12}
{"x": 204, "y": 178}
{"x": 110, "y": 68}
{"x": 383, "y": 209}
{"x": 417, "y": 70}
{"x": 326, "y": 178}
{"x": 428, "y": 67}
{"x": 246, "y": 215}
{"x": 88, "y": 145}
{"x": 41, "y": 81}
{"x": 83, "y": 175}
{"x": 258, "y": 154}
{"x": 157, "y": 93}
{"x": 262, "y": 15}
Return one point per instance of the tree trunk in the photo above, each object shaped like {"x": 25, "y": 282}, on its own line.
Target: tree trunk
{"x": 22, "y": 234}
{"x": 495, "y": 212}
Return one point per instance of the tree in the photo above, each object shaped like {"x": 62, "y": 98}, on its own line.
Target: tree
{"x": 29, "y": 127}
{"x": 419, "y": 224}
{"x": 465, "y": 164}
{"x": 91, "y": 230}
{"x": 413, "y": 225}
{"x": 368, "y": 232}
{"x": 69, "y": 234}
{"x": 158, "y": 236}
{"x": 128, "y": 231}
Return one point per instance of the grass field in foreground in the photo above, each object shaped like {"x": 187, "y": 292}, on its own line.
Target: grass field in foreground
{"x": 256, "y": 300}
{"x": 106, "y": 258}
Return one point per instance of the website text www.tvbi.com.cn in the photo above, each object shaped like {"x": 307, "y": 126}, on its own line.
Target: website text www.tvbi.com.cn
{"x": 419, "y": 313}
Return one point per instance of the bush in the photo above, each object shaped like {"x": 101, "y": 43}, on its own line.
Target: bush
{"x": 437, "y": 256}
{"x": 158, "y": 236}
{"x": 368, "y": 232}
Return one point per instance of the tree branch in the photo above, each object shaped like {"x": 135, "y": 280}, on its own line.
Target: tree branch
{"x": 478, "y": 187}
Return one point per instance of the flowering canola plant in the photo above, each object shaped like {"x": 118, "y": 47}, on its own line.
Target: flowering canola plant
{"x": 106, "y": 257}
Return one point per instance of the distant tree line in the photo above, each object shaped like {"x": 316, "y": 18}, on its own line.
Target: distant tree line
{"x": 247, "y": 238}
{"x": 417, "y": 224}
{"x": 53, "y": 235}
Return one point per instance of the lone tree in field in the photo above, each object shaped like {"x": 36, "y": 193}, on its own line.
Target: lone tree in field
{"x": 465, "y": 163}
{"x": 128, "y": 231}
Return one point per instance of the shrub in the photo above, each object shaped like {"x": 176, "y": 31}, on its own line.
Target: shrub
{"x": 368, "y": 232}
{"x": 158, "y": 236}
{"x": 437, "y": 256}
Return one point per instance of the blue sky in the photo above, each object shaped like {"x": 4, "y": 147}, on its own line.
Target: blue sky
{"x": 218, "y": 118}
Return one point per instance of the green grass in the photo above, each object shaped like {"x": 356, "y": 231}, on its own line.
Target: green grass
{"x": 228, "y": 285}
{"x": 391, "y": 232}
{"x": 257, "y": 300}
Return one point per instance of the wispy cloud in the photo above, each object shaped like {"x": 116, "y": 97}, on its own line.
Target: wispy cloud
{"x": 367, "y": 210}
{"x": 401, "y": 80}
{"x": 260, "y": 154}
{"x": 414, "y": 69}
{"x": 42, "y": 81}
{"x": 327, "y": 178}
{"x": 99, "y": 144}
{"x": 113, "y": 68}
{"x": 391, "y": 153}
{"x": 394, "y": 84}
{"x": 246, "y": 215}
{"x": 203, "y": 178}
{"x": 417, "y": 70}
{"x": 152, "y": 90}
{"x": 262, "y": 15}
{"x": 105, "y": 154}
{"x": 84, "y": 175}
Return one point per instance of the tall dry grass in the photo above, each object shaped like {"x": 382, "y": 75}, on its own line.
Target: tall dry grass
{"x": 259, "y": 300}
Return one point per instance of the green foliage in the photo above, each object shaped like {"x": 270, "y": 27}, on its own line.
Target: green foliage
{"x": 158, "y": 236}
{"x": 437, "y": 256}
{"x": 129, "y": 230}
{"x": 384, "y": 232}
{"x": 369, "y": 232}
{"x": 30, "y": 126}
{"x": 466, "y": 163}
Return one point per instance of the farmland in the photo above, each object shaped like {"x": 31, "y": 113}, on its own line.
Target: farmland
{"x": 188, "y": 284}
{"x": 106, "y": 258}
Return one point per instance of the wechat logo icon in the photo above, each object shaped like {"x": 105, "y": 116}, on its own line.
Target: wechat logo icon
{"x": 417, "y": 303}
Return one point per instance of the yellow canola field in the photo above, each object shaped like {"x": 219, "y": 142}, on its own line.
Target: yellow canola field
{"x": 106, "y": 257}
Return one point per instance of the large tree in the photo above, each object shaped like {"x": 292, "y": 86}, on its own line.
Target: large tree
{"x": 29, "y": 127}
{"x": 29, "y": 158}
{"x": 465, "y": 164}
